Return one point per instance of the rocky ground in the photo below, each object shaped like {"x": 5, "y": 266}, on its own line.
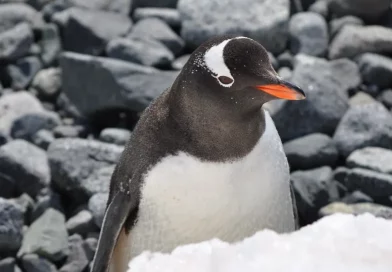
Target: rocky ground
{"x": 75, "y": 75}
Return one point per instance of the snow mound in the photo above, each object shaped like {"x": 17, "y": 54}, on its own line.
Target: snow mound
{"x": 337, "y": 243}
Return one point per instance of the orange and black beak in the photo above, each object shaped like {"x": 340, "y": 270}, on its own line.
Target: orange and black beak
{"x": 283, "y": 90}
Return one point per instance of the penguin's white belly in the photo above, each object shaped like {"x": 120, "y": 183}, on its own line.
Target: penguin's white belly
{"x": 185, "y": 200}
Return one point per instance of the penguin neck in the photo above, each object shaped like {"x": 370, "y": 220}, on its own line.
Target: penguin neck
{"x": 220, "y": 129}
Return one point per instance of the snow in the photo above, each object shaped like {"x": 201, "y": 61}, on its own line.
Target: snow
{"x": 337, "y": 243}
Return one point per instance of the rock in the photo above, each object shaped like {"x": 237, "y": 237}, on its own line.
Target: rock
{"x": 308, "y": 34}
{"x": 38, "y": 4}
{"x": 311, "y": 151}
{"x": 264, "y": 21}
{"x": 28, "y": 125}
{"x": 313, "y": 189}
{"x": 286, "y": 60}
{"x": 326, "y": 101}
{"x": 121, "y": 85}
{"x": 97, "y": 206}
{"x": 97, "y": 28}
{"x": 273, "y": 60}
{"x": 386, "y": 98}
{"x": 369, "y": 11}
{"x": 356, "y": 197}
{"x": 362, "y": 126}
{"x": 352, "y": 41}
{"x": 115, "y": 136}
{"x": 23, "y": 72}
{"x": 180, "y": 62}
{"x": 26, "y": 204}
{"x": 114, "y": 6}
{"x": 73, "y": 161}
{"x": 170, "y": 16}
{"x": 12, "y": 14}
{"x": 16, "y": 42}
{"x": 320, "y": 7}
{"x": 145, "y": 51}
{"x": 26, "y": 164}
{"x": 46, "y": 199}
{"x": 375, "y": 69}
{"x": 357, "y": 209}
{"x": 8, "y": 265}
{"x": 337, "y": 24}
{"x": 81, "y": 223}
{"x": 77, "y": 259}
{"x": 11, "y": 226}
{"x": 154, "y": 3}
{"x": 361, "y": 98}
{"x": 50, "y": 44}
{"x": 34, "y": 263}
{"x": 8, "y": 186}
{"x": 98, "y": 181}
{"x": 47, "y": 237}
{"x": 43, "y": 138}
{"x": 47, "y": 82}
{"x": 157, "y": 29}
{"x": 90, "y": 246}
{"x": 285, "y": 73}
{"x": 373, "y": 158}
{"x": 68, "y": 131}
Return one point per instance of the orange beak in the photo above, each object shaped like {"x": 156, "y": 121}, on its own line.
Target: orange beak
{"x": 283, "y": 90}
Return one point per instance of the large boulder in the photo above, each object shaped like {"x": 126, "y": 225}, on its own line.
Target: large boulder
{"x": 352, "y": 41}
{"x": 365, "y": 9}
{"x": 13, "y": 13}
{"x": 265, "y": 21}
{"x": 96, "y": 84}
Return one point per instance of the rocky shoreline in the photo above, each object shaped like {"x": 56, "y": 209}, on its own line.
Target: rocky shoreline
{"x": 75, "y": 76}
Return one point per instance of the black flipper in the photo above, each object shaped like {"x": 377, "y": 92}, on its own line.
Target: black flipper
{"x": 117, "y": 212}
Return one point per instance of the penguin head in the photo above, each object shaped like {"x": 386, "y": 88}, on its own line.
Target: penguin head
{"x": 234, "y": 66}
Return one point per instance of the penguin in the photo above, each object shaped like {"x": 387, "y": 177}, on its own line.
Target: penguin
{"x": 204, "y": 161}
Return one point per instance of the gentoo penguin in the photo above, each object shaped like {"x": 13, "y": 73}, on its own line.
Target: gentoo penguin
{"x": 205, "y": 160}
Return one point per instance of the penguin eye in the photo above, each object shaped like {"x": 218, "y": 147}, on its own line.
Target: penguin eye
{"x": 225, "y": 80}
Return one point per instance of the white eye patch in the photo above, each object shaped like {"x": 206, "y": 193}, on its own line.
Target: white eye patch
{"x": 214, "y": 61}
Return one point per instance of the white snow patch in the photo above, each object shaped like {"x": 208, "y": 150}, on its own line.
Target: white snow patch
{"x": 337, "y": 243}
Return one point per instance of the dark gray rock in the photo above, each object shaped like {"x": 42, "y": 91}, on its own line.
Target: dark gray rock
{"x": 114, "y": 6}
{"x": 121, "y": 85}
{"x": 367, "y": 10}
{"x": 97, "y": 206}
{"x": 43, "y": 138}
{"x": 47, "y": 83}
{"x": 46, "y": 199}
{"x": 98, "y": 181}
{"x": 90, "y": 246}
{"x": 142, "y": 50}
{"x": 313, "y": 189}
{"x": 337, "y": 24}
{"x": 356, "y": 197}
{"x": 157, "y": 29}
{"x": 12, "y": 14}
{"x": 286, "y": 60}
{"x": 16, "y": 42}
{"x": 386, "y": 98}
{"x": 320, "y": 7}
{"x": 170, "y": 16}
{"x": 81, "y": 223}
{"x": 50, "y": 44}
{"x": 264, "y": 21}
{"x": 73, "y": 161}
{"x": 352, "y": 41}
{"x": 35, "y": 263}
{"x": 361, "y": 98}
{"x": 23, "y": 71}
{"x": 357, "y": 209}
{"x": 69, "y": 131}
{"x": 8, "y": 186}
{"x": 363, "y": 126}
{"x": 28, "y": 125}
{"x": 373, "y": 158}
{"x": 77, "y": 259}
{"x": 375, "y": 69}
{"x": 326, "y": 100}
{"x": 180, "y": 62}
{"x": 311, "y": 151}
{"x": 308, "y": 34}
{"x": 47, "y": 237}
{"x": 11, "y": 226}
{"x": 154, "y": 3}
{"x": 117, "y": 136}
{"x": 26, "y": 164}
{"x": 26, "y": 204}
{"x": 96, "y": 27}
{"x": 9, "y": 265}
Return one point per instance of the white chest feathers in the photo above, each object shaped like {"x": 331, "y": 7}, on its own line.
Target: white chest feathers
{"x": 185, "y": 200}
